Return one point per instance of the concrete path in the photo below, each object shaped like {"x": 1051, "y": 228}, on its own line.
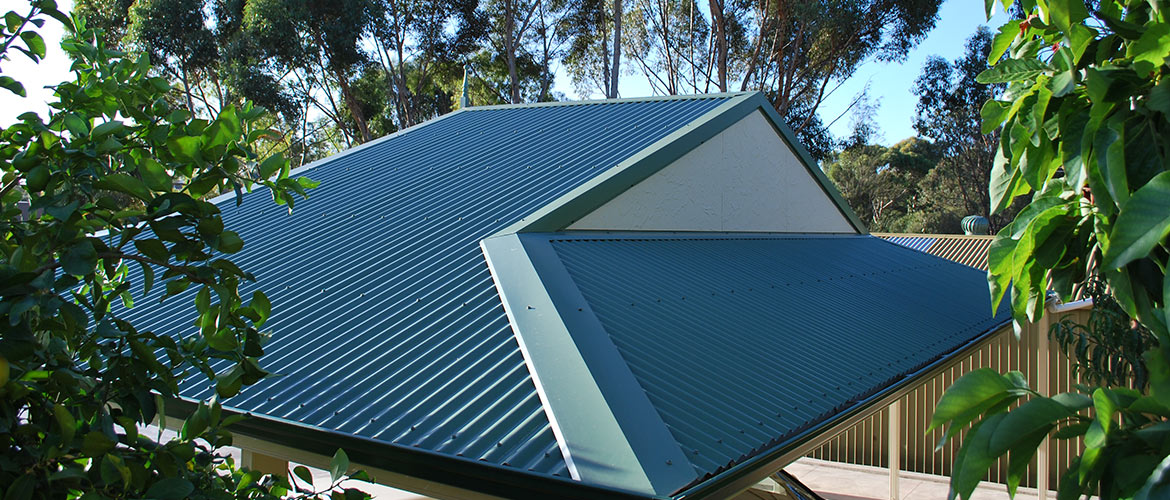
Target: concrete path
{"x": 837, "y": 481}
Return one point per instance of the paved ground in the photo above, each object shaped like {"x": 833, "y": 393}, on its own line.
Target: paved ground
{"x": 836, "y": 481}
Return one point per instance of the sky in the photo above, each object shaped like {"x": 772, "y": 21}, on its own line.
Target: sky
{"x": 890, "y": 83}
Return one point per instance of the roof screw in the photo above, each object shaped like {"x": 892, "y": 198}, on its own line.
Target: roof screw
{"x": 337, "y": 412}
{"x": 668, "y": 462}
{"x": 372, "y": 420}
{"x": 499, "y": 443}
{"x": 453, "y": 436}
{"x": 530, "y": 307}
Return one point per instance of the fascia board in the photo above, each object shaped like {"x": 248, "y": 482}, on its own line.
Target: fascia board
{"x": 608, "y": 431}
{"x": 605, "y": 186}
{"x": 447, "y": 476}
{"x": 809, "y": 163}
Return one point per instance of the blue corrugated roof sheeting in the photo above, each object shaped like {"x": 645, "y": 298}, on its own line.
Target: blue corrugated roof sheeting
{"x": 741, "y": 342}
{"x": 386, "y": 321}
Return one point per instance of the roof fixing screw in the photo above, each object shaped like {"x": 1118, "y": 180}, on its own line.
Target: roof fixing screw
{"x": 530, "y": 307}
{"x": 668, "y": 462}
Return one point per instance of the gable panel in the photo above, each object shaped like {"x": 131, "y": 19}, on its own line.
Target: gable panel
{"x": 745, "y": 178}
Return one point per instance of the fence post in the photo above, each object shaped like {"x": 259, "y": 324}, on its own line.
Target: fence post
{"x": 1042, "y": 368}
{"x": 894, "y": 445}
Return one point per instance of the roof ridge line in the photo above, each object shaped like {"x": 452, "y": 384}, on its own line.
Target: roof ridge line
{"x": 617, "y": 100}
{"x": 609, "y": 432}
{"x": 563, "y": 211}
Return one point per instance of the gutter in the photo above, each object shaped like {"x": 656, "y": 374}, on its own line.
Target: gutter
{"x": 438, "y": 475}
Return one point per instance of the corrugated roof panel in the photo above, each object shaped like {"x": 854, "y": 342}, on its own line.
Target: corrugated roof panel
{"x": 920, "y": 243}
{"x": 387, "y": 323}
{"x": 741, "y": 342}
{"x": 968, "y": 250}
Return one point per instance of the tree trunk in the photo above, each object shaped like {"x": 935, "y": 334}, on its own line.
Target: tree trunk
{"x": 617, "y": 50}
{"x": 355, "y": 108}
{"x": 510, "y": 50}
{"x": 720, "y": 42}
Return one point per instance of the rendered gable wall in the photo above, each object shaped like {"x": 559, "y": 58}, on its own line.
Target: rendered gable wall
{"x": 746, "y": 178}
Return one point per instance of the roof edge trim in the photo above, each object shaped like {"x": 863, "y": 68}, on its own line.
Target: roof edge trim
{"x": 607, "y": 429}
{"x": 570, "y": 207}
{"x": 613, "y": 181}
{"x": 586, "y": 102}
{"x": 425, "y": 465}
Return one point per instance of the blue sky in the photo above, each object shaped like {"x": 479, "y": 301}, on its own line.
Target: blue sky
{"x": 890, "y": 84}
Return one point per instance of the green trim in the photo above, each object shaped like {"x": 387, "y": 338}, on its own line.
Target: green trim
{"x": 586, "y": 198}
{"x": 607, "y": 428}
{"x": 808, "y": 161}
{"x": 425, "y": 465}
{"x": 607, "y": 185}
{"x": 688, "y": 97}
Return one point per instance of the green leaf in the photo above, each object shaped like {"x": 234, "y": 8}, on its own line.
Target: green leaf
{"x": 107, "y": 128}
{"x": 999, "y": 45}
{"x": 185, "y": 148}
{"x": 993, "y": 113}
{"x": 114, "y": 468}
{"x": 969, "y": 396}
{"x": 262, "y": 306}
{"x": 1065, "y": 13}
{"x": 303, "y": 473}
{"x": 1012, "y": 70}
{"x": 271, "y": 165}
{"x": 22, "y": 488}
{"x": 1150, "y": 51}
{"x": 1006, "y": 183}
{"x": 203, "y": 300}
{"x": 1079, "y": 38}
{"x": 171, "y": 488}
{"x": 125, "y": 183}
{"x": 228, "y": 384}
{"x": 35, "y": 43}
{"x": 153, "y": 248}
{"x": 155, "y": 175}
{"x": 1143, "y": 223}
{"x": 229, "y": 242}
{"x": 1109, "y": 146}
{"x": 1024, "y": 421}
{"x": 1020, "y": 455}
{"x": 12, "y": 85}
{"x": 80, "y": 259}
{"x": 66, "y": 422}
{"x": 96, "y": 444}
{"x": 1157, "y": 486}
{"x": 195, "y": 424}
{"x": 339, "y": 465}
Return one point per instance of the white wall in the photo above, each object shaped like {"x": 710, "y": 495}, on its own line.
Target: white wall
{"x": 743, "y": 179}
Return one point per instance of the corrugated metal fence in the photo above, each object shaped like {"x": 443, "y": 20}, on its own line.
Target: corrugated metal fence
{"x": 865, "y": 443}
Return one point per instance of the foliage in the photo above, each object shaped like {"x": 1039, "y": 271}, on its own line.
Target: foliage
{"x": 949, "y": 100}
{"x": 116, "y": 180}
{"x": 880, "y": 183}
{"x": 1085, "y": 132}
{"x": 1108, "y": 348}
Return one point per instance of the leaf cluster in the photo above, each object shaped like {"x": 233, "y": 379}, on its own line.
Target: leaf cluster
{"x": 115, "y": 185}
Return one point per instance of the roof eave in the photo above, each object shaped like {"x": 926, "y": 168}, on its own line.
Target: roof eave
{"x": 458, "y": 473}
{"x": 753, "y": 470}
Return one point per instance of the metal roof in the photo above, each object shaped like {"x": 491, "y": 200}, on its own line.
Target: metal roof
{"x": 968, "y": 250}
{"x": 386, "y": 321}
{"x": 429, "y": 318}
{"x": 740, "y": 342}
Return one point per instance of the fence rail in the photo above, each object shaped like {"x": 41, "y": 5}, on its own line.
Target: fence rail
{"x": 866, "y": 442}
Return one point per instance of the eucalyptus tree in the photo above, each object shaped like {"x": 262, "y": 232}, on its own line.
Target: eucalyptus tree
{"x": 949, "y": 99}
{"x": 414, "y": 41}
{"x": 802, "y": 49}
{"x": 595, "y": 50}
